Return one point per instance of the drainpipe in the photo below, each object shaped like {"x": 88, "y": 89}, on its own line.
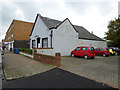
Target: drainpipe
{"x": 51, "y": 34}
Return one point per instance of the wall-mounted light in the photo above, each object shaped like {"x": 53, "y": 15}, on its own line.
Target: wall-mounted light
{"x": 51, "y": 33}
{"x": 36, "y": 36}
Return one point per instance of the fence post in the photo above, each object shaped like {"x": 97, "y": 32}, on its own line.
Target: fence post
{"x": 34, "y": 52}
{"x": 58, "y": 59}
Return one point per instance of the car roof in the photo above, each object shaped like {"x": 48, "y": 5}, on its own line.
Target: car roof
{"x": 99, "y": 48}
{"x": 84, "y": 46}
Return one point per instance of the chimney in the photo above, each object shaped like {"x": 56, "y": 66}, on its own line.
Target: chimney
{"x": 92, "y": 32}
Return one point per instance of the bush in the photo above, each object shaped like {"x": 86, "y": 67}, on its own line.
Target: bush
{"x": 14, "y": 50}
{"x": 26, "y": 50}
{"x": 21, "y": 49}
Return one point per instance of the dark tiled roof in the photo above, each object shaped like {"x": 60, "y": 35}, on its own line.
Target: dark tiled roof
{"x": 50, "y": 22}
{"x": 83, "y": 33}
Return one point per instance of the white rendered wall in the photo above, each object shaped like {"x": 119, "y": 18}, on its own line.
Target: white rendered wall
{"x": 9, "y": 46}
{"x": 64, "y": 38}
{"x": 46, "y": 51}
{"x": 42, "y": 31}
{"x": 25, "y": 54}
{"x": 94, "y": 43}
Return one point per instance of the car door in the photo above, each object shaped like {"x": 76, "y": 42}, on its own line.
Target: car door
{"x": 100, "y": 51}
{"x": 96, "y": 51}
{"x": 77, "y": 51}
{"x": 82, "y": 51}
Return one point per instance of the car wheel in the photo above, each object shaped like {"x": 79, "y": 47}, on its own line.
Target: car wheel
{"x": 85, "y": 57}
{"x": 116, "y": 53}
{"x": 104, "y": 54}
{"x": 72, "y": 55}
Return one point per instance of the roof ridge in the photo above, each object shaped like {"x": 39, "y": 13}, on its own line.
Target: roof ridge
{"x": 53, "y": 24}
{"x": 22, "y": 21}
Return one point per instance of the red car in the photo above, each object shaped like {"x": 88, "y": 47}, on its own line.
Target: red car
{"x": 102, "y": 51}
{"x": 83, "y": 51}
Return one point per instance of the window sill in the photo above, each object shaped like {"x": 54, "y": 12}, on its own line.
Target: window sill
{"x": 44, "y": 48}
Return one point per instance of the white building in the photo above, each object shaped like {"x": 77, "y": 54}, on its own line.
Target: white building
{"x": 62, "y": 37}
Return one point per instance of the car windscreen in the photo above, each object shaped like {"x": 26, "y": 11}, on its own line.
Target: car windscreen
{"x": 107, "y": 49}
{"x": 91, "y": 48}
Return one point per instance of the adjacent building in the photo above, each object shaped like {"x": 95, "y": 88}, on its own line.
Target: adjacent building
{"x": 49, "y": 36}
{"x": 17, "y": 35}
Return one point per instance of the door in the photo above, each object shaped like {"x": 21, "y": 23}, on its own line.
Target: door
{"x": 38, "y": 42}
{"x": 100, "y": 51}
{"x": 77, "y": 51}
{"x": 83, "y": 51}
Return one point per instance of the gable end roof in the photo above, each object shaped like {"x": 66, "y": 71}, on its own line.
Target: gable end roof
{"x": 82, "y": 32}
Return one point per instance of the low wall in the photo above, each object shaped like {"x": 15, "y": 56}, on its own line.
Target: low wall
{"x": 46, "y": 51}
{"x": 54, "y": 60}
{"x": 26, "y": 54}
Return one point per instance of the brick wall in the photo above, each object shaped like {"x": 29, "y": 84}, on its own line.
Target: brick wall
{"x": 20, "y": 30}
{"x": 54, "y": 60}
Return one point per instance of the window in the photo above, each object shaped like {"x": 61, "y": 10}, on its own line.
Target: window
{"x": 44, "y": 42}
{"x": 38, "y": 42}
{"x": 100, "y": 49}
{"x": 107, "y": 49}
{"x": 12, "y": 35}
{"x": 33, "y": 43}
{"x": 96, "y": 49}
{"x": 11, "y": 27}
{"x": 91, "y": 48}
{"x": 77, "y": 49}
{"x": 83, "y": 49}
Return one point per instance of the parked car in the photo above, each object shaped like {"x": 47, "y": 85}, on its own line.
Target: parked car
{"x": 102, "y": 51}
{"x": 84, "y": 51}
{"x": 116, "y": 50}
{"x": 112, "y": 52}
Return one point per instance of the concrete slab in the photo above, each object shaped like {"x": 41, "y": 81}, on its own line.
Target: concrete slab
{"x": 103, "y": 69}
{"x": 17, "y": 66}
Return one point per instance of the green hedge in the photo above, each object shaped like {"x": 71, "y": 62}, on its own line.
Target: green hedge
{"x": 21, "y": 49}
{"x": 26, "y": 50}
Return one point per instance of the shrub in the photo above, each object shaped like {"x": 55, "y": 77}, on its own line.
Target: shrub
{"x": 14, "y": 50}
{"x": 28, "y": 51}
{"x": 21, "y": 49}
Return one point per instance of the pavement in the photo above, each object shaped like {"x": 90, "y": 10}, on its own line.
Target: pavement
{"x": 100, "y": 69}
{"x": 54, "y": 78}
{"x": 17, "y": 66}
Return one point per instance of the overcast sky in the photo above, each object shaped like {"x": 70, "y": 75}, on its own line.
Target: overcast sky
{"x": 93, "y": 15}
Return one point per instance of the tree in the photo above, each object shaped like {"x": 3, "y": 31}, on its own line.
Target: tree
{"x": 113, "y": 33}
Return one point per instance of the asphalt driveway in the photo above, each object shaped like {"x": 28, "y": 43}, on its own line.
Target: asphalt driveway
{"x": 100, "y": 69}
{"x": 54, "y": 78}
